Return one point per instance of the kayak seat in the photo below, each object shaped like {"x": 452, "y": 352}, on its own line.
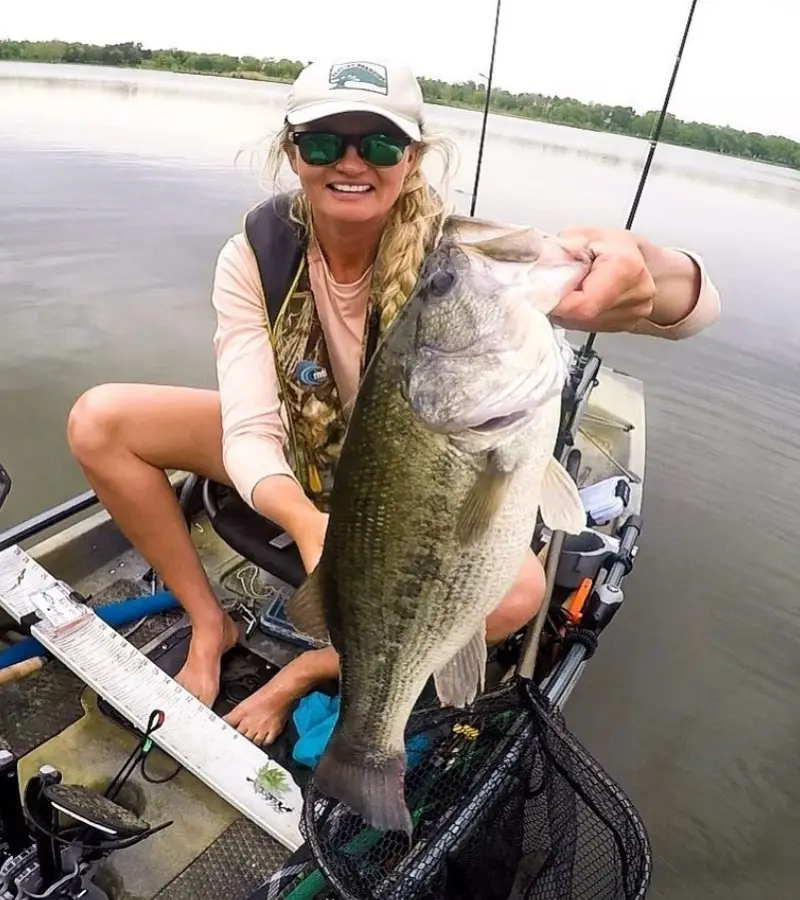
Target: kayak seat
{"x": 258, "y": 539}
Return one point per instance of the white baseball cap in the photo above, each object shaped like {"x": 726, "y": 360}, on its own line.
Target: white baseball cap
{"x": 329, "y": 87}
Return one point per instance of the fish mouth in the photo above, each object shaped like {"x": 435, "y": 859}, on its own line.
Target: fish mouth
{"x": 513, "y": 406}
{"x": 499, "y": 423}
{"x": 500, "y": 409}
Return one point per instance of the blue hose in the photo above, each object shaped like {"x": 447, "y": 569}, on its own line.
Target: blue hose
{"x": 120, "y": 613}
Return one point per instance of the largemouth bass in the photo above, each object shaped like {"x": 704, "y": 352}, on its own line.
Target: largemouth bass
{"x": 448, "y": 458}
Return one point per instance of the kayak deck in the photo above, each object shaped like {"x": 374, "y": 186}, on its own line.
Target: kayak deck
{"x": 51, "y": 717}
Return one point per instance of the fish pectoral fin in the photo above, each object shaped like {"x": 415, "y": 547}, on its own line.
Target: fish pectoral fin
{"x": 561, "y": 505}
{"x": 459, "y": 680}
{"x": 306, "y": 608}
{"x": 482, "y": 503}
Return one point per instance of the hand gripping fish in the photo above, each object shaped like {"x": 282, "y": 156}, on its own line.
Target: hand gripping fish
{"x": 448, "y": 458}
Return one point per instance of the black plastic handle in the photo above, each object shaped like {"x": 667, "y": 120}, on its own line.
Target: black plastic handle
{"x": 5, "y": 485}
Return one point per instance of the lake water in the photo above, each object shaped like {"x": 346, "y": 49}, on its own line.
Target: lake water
{"x": 117, "y": 190}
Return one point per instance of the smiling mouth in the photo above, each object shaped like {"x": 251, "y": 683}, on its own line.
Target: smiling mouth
{"x": 351, "y": 189}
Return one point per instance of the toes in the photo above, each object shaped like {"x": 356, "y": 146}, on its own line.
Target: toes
{"x": 234, "y": 717}
{"x": 253, "y": 731}
{"x": 240, "y": 722}
{"x": 255, "y": 722}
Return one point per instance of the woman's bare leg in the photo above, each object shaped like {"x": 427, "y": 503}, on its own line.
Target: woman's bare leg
{"x": 124, "y": 436}
{"x": 520, "y": 604}
{"x": 262, "y": 716}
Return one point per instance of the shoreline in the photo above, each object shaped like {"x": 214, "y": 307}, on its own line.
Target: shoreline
{"x": 254, "y": 75}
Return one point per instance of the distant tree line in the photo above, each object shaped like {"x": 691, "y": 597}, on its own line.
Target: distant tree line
{"x": 466, "y": 95}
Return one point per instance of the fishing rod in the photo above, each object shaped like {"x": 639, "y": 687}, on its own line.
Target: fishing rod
{"x": 485, "y": 111}
{"x": 655, "y": 136}
{"x": 530, "y": 646}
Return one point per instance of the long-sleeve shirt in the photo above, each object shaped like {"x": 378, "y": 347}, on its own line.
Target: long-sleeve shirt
{"x": 252, "y": 419}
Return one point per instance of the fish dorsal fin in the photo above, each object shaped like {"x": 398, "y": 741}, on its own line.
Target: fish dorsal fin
{"x": 561, "y": 505}
{"x": 306, "y": 607}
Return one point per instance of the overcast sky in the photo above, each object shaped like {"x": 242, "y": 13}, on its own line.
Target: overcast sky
{"x": 740, "y": 66}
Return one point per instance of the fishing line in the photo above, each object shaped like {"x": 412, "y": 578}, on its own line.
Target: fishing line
{"x": 655, "y": 138}
{"x": 482, "y": 141}
{"x": 586, "y": 349}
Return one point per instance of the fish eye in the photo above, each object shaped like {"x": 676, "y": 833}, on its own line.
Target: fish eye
{"x": 441, "y": 282}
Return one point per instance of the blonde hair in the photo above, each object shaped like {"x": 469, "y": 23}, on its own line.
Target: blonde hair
{"x": 413, "y": 226}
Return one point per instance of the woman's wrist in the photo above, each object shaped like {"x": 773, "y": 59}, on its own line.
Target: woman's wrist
{"x": 678, "y": 281}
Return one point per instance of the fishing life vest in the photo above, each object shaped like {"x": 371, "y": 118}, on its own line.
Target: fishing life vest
{"x": 315, "y": 418}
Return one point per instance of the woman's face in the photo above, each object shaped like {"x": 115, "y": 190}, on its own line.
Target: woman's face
{"x": 350, "y": 189}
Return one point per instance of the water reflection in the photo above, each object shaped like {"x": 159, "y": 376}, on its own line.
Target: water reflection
{"x": 212, "y": 121}
{"x": 54, "y": 83}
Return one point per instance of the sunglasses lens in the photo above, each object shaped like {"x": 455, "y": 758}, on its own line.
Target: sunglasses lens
{"x": 382, "y": 149}
{"x": 319, "y": 149}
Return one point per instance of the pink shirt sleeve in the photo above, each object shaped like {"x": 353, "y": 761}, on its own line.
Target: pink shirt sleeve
{"x": 252, "y": 427}
{"x": 253, "y": 431}
{"x": 706, "y": 310}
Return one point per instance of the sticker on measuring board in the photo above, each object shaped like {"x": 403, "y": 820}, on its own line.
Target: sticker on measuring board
{"x": 58, "y": 611}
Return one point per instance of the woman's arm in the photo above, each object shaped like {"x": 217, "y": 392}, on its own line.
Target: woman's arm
{"x": 686, "y": 300}
{"x": 635, "y": 285}
{"x": 252, "y": 428}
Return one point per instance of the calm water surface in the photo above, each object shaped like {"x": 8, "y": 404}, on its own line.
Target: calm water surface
{"x": 117, "y": 190}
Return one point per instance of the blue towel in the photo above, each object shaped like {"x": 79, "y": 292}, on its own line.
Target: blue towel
{"x": 314, "y": 718}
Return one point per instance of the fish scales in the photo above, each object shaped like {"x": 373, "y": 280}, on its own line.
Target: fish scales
{"x": 447, "y": 454}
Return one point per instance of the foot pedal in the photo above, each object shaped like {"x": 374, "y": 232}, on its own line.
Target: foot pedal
{"x": 101, "y": 815}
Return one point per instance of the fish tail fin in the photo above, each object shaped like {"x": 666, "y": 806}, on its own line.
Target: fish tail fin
{"x": 374, "y": 789}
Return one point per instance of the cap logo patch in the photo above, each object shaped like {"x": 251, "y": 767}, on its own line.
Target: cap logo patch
{"x": 361, "y": 76}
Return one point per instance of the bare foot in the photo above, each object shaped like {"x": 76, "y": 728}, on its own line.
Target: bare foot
{"x": 262, "y": 716}
{"x": 200, "y": 672}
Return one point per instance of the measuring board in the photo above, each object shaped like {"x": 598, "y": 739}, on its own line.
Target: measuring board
{"x": 192, "y": 734}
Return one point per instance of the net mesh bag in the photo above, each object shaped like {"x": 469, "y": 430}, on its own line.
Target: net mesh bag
{"x": 506, "y": 805}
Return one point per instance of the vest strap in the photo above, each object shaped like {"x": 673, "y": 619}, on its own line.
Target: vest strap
{"x": 278, "y": 245}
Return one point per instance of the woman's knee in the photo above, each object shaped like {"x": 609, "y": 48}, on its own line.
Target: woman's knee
{"x": 520, "y": 604}
{"x": 164, "y": 426}
{"x": 94, "y": 423}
